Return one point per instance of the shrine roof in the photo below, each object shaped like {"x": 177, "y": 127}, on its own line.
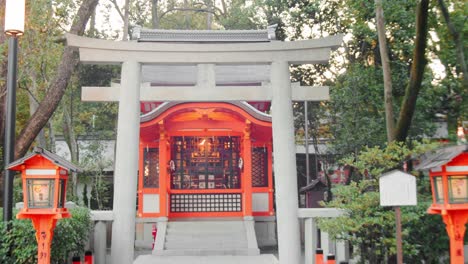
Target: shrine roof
{"x": 217, "y": 36}
{"x": 146, "y": 107}
{"x": 161, "y": 108}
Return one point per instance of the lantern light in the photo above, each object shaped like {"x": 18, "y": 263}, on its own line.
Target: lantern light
{"x": 14, "y": 17}
{"x": 458, "y": 192}
{"x": 40, "y": 193}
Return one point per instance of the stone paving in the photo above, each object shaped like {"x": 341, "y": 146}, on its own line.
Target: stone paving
{"x": 261, "y": 259}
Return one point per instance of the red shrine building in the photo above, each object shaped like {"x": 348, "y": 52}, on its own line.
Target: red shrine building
{"x": 205, "y": 160}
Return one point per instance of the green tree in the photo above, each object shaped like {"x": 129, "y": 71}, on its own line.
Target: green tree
{"x": 450, "y": 45}
{"x": 58, "y": 83}
{"x": 94, "y": 164}
{"x": 86, "y": 120}
{"x": 370, "y": 228}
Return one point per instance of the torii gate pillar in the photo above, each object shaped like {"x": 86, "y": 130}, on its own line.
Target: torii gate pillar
{"x": 126, "y": 164}
{"x": 289, "y": 246}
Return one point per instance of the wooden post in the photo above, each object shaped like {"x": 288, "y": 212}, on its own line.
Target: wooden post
{"x": 398, "y": 235}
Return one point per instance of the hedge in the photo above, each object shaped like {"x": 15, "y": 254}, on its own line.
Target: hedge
{"x": 70, "y": 236}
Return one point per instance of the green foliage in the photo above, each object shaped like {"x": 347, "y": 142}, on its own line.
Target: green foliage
{"x": 357, "y": 109}
{"x": 194, "y": 14}
{"x": 454, "y": 92}
{"x": 20, "y": 240}
{"x": 425, "y": 229}
{"x": 373, "y": 161}
{"x": 370, "y": 228}
{"x": 70, "y": 236}
{"x": 94, "y": 163}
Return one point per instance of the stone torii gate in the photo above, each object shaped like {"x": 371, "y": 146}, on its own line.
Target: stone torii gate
{"x": 277, "y": 56}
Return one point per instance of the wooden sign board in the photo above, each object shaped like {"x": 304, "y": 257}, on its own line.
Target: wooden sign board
{"x": 397, "y": 188}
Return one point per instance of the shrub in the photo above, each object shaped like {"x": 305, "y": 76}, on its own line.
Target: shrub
{"x": 70, "y": 237}
{"x": 369, "y": 227}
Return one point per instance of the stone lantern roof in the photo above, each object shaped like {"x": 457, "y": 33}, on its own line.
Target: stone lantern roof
{"x": 53, "y": 158}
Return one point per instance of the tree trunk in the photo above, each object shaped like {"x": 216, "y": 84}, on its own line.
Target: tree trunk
{"x": 59, "y": 84}
{"x": 33, "y": 105}
{"x": 154, "y": 13}
{"x": 51, "y": 136}
{"x": 92, "y": 24}
{"x": 457, "y": 36}
{"x": 209, "y": 15}
{"x": 126, "y": 13}
{"x": 187, "y": 16}
{"x": 70, "y": 139}
{"x": 387, "y": 73}
{"x": 416, "y": 75}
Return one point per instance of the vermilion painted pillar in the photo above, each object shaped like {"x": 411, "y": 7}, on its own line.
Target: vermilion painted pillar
{"x": 44, "y": 225}
{"x": 247, "y": 172}
{"x": 163, "y": 171}
{"x": 455, "y": 225}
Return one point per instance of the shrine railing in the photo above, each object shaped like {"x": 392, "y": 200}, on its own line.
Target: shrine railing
{"x": 205, "y": 202}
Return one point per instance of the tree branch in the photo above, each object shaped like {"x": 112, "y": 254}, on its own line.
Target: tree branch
{"x": 416, "y": 73}
{"x": 458, "y": 38}
{"x": 387, "y": 72}
{"x": 188, "y": 9}
{"x": 114, "y": 2}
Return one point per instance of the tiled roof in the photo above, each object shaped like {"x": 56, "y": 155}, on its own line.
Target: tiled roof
{"x": 241, "y": 104}
{"x": 440, "y": 157}
{"x": 162, "y": 35}
{"x": 54, "y": 158}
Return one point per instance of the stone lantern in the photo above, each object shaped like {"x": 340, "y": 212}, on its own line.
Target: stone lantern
{"x": 44, "y": 176}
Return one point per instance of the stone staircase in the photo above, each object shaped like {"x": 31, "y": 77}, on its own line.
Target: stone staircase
{"x": 206, "y": 238}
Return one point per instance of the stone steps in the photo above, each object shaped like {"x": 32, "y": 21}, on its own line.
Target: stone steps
{"x": 206, "y": 238}
{"x": 260, "y": 259}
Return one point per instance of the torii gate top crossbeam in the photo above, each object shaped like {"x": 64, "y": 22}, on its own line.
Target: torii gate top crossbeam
{"x": 113, "y": 52}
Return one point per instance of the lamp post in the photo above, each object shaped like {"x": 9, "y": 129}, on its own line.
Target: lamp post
{"x": 14, "y": 27}
{"x": 45, "y": 177}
